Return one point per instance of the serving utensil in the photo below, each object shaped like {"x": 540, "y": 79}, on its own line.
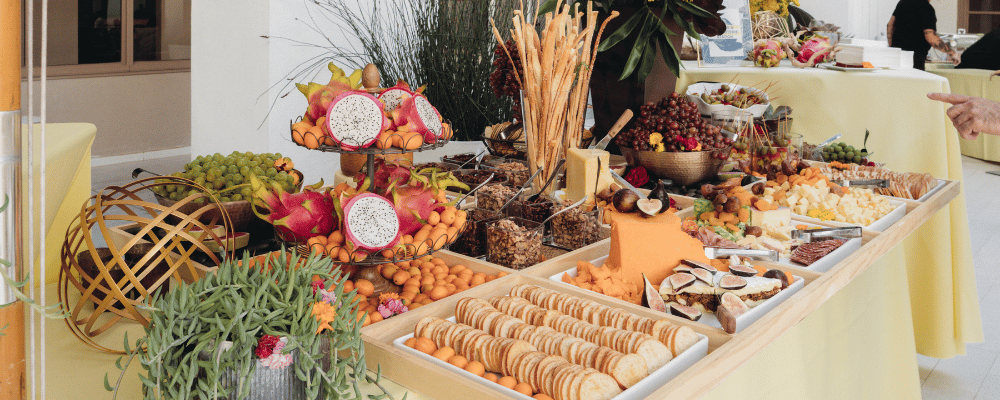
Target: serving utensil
{"x": 471, "y": 159}
{"x": 810, "y": 235}
{"x": 548, "y": 182}
{"x": 621, "y": 181}
{"x": 828, "y": 141}
{"x": 882, "y": 183}
{"x": 763, "y": 255}
{"x": 526, "y": 184}
{"x": 617, "y": 127}
{"x": 461, "y": 199}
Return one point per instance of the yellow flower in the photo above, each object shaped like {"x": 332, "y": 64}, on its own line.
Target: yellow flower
{"x": 661, "y": 148}
{"x": 655, "y": 138}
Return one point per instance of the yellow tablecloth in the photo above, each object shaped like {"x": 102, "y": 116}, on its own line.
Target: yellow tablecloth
{"x": 974, "y": 82}
{"x": 67, "y": 183}
{"x": 908, "y": 133}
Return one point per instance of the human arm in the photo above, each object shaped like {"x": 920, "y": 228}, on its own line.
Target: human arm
{"x": 935, "y": 41}
{"x": 971, "y": 115}
{"x": 889, "y": 28}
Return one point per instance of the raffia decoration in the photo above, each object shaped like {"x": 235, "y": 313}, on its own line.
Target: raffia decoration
{"x": 112, "y": 284}
{"x": 769, "y": 25}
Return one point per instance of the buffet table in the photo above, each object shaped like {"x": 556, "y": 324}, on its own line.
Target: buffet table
{"x": 973, "y": 82}
{"x": 908, "y": 133}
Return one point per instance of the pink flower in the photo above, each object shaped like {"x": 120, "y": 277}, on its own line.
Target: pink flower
{"x": 266, "y": 345}
{"x": 391, "y": 307}
{"x": 277, "y": 360}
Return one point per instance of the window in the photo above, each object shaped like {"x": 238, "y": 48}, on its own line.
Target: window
{"x": 979, "y": 16}
{"x": 86, "y": 36}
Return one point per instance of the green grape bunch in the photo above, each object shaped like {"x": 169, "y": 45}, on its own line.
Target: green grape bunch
{"x": 843, "y": 153}
{"x": 228, "y": 177}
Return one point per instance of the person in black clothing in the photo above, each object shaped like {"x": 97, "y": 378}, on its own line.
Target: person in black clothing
{"x": 984, "y": 54}
{"x": 913, "y": 27}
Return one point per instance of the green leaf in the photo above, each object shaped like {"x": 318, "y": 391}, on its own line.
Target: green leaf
{"x": 622, "y": 32}
{"x": 640, "y": 47}
{"x": 107, "y": 384}
{"x": 669, "y": 54}
{"x": 648, "y": 57}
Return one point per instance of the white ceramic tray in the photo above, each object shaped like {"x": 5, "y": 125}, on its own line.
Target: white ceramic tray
{"x": 897, "y": 213}
{"x": 742, "y": 322}
{"x": 828, "y": 261}
{"x": 640, "y": 390}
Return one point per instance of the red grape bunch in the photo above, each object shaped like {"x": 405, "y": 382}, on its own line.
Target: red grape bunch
{"x": 503, "y": 79}
{"x": 674, "y": 124}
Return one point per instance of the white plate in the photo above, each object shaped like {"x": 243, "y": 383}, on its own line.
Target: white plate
{"x": 640, "y": 390}
{"x": 845, "y": 69}
{"x": 880, "y": 225}
{"x": 742, "y": 321}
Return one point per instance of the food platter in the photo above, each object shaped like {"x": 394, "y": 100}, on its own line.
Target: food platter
{"x": 897, "y": 213}
{"x": 640, "y": 391}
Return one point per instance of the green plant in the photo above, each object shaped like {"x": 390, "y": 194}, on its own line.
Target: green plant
{"x": 445, "y": 44}
{"x": 692, "y": 16}
{"x": 241, "y": 304}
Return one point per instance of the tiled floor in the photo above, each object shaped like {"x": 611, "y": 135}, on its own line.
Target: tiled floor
{"x": 977, "y": 374}
{"x": 973, "y": 376}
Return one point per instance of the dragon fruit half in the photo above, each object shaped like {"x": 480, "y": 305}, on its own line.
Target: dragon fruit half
{"x": 394, "y": 96}
{"x": 416, "y": 114}
{"x": 370, "y": 222}
{"x": 297, "y": 216}
{"x": 816, "y": 44}
{"x": 355, "y": 120}
{"x": 768, "y": 53}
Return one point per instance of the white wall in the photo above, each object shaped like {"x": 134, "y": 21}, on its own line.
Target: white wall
{"x": 229, "y": 73}
{"x": 133, "y": 113}
{"x": 867, "y": 19}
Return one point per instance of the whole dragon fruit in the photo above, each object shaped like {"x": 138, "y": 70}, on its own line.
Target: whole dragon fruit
{"x": 768, "y": 53}
{"x": 416, "y": 114}
{"x": 370, "y": 222}
{"x": 816, "y": 45}
{"x": 320, "y": 96}
{"x": 355, "y": 120}
{"x": 413, "y": 204}
{"x": 297, "y": 216}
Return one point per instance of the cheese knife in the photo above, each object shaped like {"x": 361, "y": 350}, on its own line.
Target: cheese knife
{"x": 617, "y": 127}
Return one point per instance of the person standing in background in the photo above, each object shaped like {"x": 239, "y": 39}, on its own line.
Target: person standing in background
{"x": 913, "y": 27}
{"x": 984, "y": 54}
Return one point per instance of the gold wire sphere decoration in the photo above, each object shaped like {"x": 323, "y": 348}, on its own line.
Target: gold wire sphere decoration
{"x": 119, "y": 282}
{"x": 769, "y": 25}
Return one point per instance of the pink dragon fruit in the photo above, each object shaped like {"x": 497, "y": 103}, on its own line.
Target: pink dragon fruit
{"x": 768, "y": 53}
{"x": 320, "y": 96}
{"x": 355, "y": 120}
{"x": 394, "y": 96}
{"x": 416, "y": 114}
{"x": 413, "y": 204}
{"x": 371, "y": 223}
{"x": 815, "y": 45}
{"x": 297, "y": 216}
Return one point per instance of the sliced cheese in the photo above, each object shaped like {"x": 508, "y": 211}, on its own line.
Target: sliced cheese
{"x": 587, "y": 173}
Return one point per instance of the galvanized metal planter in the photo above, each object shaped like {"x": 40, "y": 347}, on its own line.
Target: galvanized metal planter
{"x": 270, "y": 384}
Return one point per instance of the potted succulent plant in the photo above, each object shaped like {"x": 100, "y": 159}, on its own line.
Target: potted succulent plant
{"x": 258, "y": 328}
{"x": 639, "y": 61}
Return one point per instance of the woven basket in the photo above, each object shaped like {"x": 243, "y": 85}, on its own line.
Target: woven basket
{"x": 101, "y": 286}
{"x": 684, "y": 168}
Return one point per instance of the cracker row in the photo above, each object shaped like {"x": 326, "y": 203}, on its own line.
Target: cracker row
{"x": 626, "y": 369}
{"x": 676, "y": 338}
